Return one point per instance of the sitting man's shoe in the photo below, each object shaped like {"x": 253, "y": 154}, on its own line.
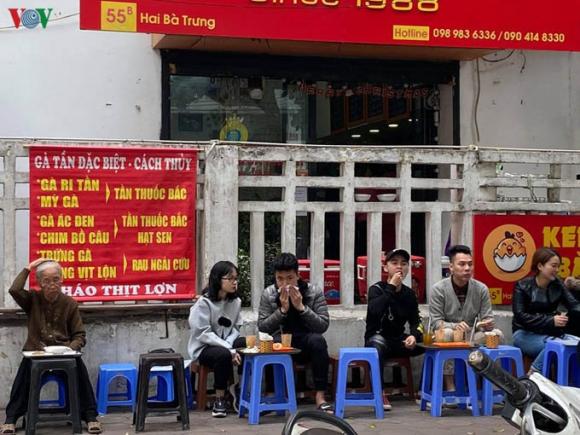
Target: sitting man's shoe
{"x": 219, "y": 408}
{"x": 326, "y": 407}
{"x": 8, "y": 428}
{"x": 94, "y": 427}
{"x": 386, "y": 403}
{"x": 235, "y": 392}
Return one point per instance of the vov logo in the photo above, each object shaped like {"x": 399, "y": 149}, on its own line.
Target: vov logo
{"x": 30, "y": 18}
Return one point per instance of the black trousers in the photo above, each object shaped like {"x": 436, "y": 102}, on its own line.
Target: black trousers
{"x": 220, "y": 359}
{"x": 314, "y": 350}
{"x": 394, "y": 349}
{"x": 18, "y": 402}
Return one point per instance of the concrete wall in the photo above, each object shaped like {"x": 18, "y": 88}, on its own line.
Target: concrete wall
{"x": 63, "y": 82}
{"x": 123, "y": 338}
{"x": 530, "y": 100}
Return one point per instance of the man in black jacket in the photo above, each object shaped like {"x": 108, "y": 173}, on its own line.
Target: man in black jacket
{"x": 391, "y": 305}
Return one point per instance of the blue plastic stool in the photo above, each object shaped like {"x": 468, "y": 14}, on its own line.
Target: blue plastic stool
{"x": 107, "y": 372}
{"x": 432, "y": 381}
{"x": 165, "y": 384}
{"x": 164, "y": 377}
{"x": 251, "y": 399}
{"x": 561, "y": 351}
{"x": 346, "y": 355}
{"x": 505, "y": 355}
{"x": 60, "y": 401}
{"x": 188, "y": 386}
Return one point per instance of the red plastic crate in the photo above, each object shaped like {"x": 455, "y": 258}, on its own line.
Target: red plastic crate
{"x": 331, "y": 278}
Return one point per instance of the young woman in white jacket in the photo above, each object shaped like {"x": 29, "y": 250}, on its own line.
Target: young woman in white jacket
{"x": 215, "y": 323}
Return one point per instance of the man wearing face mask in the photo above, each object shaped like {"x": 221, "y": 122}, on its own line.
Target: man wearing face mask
{"x": 391, "y": 305}
{"x": 53, "y": 320}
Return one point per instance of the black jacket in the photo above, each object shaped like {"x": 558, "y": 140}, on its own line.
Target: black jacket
{"x": 388, "y": 311}
{"x": 534, "y": 308}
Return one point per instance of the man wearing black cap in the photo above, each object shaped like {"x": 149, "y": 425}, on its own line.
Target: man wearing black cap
{"x": 391, "y": 305}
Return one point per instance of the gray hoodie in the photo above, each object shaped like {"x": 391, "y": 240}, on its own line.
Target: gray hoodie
{"x": 205, "y": 326}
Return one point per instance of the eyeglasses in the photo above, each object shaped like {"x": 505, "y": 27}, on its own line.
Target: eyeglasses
{"x": 231, "y": 279}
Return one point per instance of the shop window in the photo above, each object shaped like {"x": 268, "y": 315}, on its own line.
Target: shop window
{"x": 236, "y": 109}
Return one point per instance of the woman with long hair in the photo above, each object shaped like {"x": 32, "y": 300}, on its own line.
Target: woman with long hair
{"x": 535, "y": 305}
{"x": 215, "y": 323}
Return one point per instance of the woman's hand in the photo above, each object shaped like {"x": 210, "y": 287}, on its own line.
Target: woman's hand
{"x": 236, "y": 359}
{"x": 560, "y": 320}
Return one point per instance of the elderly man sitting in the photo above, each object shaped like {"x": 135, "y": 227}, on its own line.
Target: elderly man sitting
{"x": 53, "y": 319}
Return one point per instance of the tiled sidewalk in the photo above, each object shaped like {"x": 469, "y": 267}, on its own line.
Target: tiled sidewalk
{"x": 404, "y": 419}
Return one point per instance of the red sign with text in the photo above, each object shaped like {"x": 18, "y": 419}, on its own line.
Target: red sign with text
{"x": 503, "y": 246}
{"x": 120, "y": 221}
{"x": 493, "y": 24}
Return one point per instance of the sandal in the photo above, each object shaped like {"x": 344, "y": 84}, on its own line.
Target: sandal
{"x": 94, "y": 427}
{"x": 8, "y": 428}
{"x": 326, "y": 407}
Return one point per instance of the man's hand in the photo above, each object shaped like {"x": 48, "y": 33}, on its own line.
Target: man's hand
{"x": 462, "y": 326}
{"x": 486, "y": 325}
{"x": 36, "y": 263}
{"x": 236, "y": 359}
{"x": 410, "y": 342}
{"x": 284, "y": 300}
{"x": 560, "y": 320}
{"x": 396, "y": 279}
{"x": 296, "y": 298}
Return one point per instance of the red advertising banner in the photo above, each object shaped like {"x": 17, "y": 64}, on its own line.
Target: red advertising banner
{"x": 503, "y": 247}
{"x": 493, "y": 24}
{"x": 120, "y": 221}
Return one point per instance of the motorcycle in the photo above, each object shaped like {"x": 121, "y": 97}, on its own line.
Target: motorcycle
{"x": 534, "y": 404}
{"x": 292, "y": 426}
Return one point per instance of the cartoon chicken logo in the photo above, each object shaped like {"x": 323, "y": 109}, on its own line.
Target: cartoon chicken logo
{"x": 506, "y": 252}
{"x": 510, "y": 254}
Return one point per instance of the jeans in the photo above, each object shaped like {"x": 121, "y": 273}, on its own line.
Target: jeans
{"x": 533, "y": 345}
